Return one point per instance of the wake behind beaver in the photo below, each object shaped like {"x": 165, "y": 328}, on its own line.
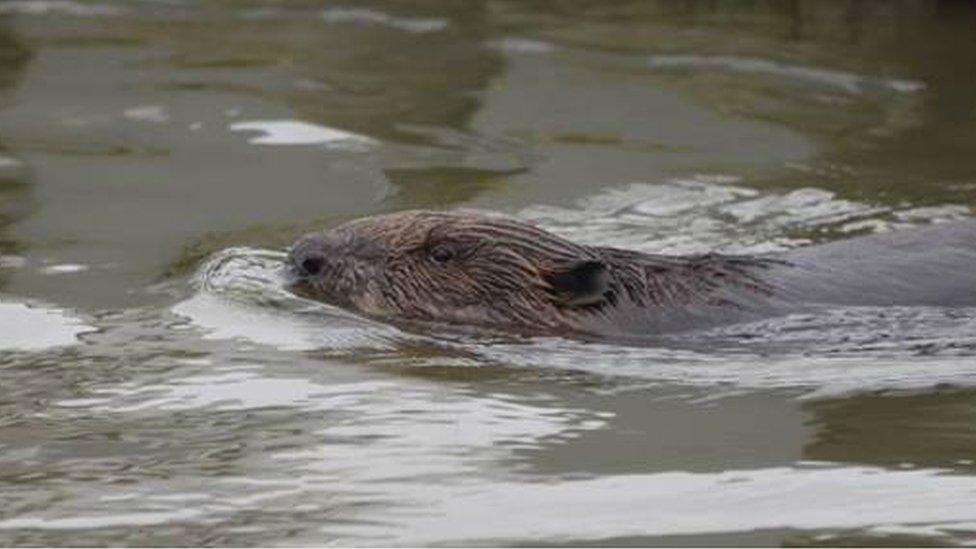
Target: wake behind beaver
{"x": 466, "y": 269}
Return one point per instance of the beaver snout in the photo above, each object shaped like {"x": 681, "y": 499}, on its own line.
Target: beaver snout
{"x": 309, "y": 255}
{"x": 314, "y": 254}
{"x": 309, "y": 265}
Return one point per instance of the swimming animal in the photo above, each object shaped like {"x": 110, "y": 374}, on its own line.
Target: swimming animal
{"x": 467, "y": 269}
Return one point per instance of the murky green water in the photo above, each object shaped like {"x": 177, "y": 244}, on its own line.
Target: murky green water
{"x": 157, "y": 387}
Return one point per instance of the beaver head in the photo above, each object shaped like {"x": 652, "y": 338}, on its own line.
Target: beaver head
{"x": 452, "y": 268}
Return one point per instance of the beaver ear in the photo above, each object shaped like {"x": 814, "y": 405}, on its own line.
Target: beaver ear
{"x": 579, "y": 282}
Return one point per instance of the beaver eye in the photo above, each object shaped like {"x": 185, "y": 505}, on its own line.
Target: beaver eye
{"x": 441, "y": 254}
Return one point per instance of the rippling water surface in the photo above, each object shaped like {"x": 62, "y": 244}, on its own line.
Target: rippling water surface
{"x": 158, "y": 386}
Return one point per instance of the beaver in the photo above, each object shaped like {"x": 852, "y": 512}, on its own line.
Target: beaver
{"x": 472, "y": 269}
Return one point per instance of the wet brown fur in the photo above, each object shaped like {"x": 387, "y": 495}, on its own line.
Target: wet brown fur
{"x": 506, "y": 274}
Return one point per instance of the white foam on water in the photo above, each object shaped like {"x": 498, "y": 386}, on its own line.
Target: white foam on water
{"x": 26, "y": 327}
{"x": 417, "y": 25}
{"x": 296, "y": 132}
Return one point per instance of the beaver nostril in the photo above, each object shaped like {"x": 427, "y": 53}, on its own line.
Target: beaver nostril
{"x": 313, "y": 265}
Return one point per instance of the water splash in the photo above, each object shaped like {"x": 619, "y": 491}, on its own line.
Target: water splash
{"x": 241, "y": 295}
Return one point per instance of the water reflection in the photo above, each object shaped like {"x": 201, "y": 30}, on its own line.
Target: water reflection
{"x": 904, "y": 145}
{"x": 15, "y": 203}
{"x": 423, "y": 67}
{"x": 14, "y": 193}
{"x": 928, "y": 429}
{"x": 441, "y": 187}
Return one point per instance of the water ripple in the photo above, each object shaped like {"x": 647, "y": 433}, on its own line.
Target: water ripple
{"x": 824, "y": 352}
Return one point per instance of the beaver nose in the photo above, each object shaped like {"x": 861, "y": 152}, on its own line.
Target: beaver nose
{"x": 307, "y": 257}
{"x": 316, "y": 253}
{"x": 311, "y": 264}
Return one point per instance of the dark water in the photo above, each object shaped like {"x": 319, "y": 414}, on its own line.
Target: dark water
{"x": 157, "y": 387}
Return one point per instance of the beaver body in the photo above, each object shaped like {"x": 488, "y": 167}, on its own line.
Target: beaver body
{"x": 475, "y": 270}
